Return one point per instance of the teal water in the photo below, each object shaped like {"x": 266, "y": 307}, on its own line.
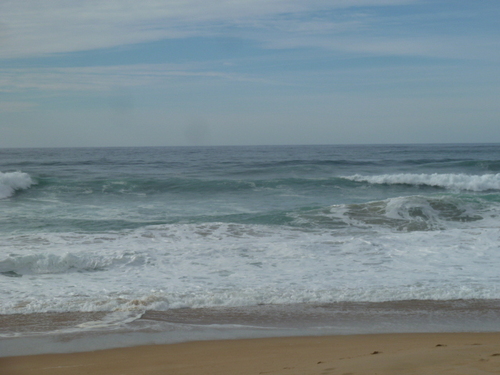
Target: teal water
{"x": 137, "y": 229}
{"x": 115, "y": 188}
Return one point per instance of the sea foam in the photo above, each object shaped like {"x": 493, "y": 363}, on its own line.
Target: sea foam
{"x": 12, "y": 181}
{"x": 448, "y": 181}
{"x": 220, "y": 264}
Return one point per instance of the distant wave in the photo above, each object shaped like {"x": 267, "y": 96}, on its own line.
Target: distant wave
{"x": 12, "y": 181}
{"x": 448, "y": 181}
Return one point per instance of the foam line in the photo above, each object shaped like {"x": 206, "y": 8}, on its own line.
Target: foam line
{"x": 448, "y": 181}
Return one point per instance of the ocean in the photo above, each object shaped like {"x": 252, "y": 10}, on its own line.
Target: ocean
{"x": 178, "y": 239}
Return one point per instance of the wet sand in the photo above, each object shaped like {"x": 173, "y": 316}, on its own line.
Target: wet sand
{"x": 406, "y": 353}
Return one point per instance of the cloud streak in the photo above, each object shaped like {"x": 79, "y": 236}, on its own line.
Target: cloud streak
{"x": 16, "y": 106}
{"x": 32, "y": 28}
{"x": 98, "y": 79}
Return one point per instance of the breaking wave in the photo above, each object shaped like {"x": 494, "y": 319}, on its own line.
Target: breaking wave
{"x": 448, "y": 181}
{"x": 39, "y": 264}
{"x": 414, "y": 213}
{"x": 10, "y": 182}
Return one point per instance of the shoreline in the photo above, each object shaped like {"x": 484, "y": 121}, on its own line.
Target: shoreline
{"x": 65, "y": 332}
{"x": 389, "y": 354}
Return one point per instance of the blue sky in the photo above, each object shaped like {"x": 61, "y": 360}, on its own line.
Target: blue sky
{"x": 220, "y": 72}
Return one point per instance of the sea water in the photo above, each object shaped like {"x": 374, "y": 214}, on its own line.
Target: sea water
{"x": 123, "y": 232}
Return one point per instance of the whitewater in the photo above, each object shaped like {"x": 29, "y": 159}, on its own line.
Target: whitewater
{"x": 449, "y": 181}
{"x": 127, "y": 232}
{"x": 13, "y": 181}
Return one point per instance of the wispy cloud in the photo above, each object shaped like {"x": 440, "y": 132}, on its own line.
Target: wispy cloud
{"x": 98, "y": 79}
{"x": 16, "y": 106}
{"x": 33, "y": 28}
{"x": 453, "y": 47}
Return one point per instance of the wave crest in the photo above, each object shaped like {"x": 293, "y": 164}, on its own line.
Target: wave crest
{"x": 38, "y": 264}
{"x": 12, "y": 181}
{"x": 448, "y": 181}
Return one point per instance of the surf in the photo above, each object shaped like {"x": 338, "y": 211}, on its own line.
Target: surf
{"x": 10, "y": 182}
{"x": 450, "y": 181}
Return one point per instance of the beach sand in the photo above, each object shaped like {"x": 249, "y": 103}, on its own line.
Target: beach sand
{"x": 383, "y": 354}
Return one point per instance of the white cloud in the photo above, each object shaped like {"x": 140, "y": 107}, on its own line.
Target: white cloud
{"x": 455, "y": 47}
{"x": 33, "y": 27}
{"x": 105, "y": 78}
{"x": 15, "y": 106}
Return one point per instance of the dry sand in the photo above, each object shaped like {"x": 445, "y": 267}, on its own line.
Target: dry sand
{"x": 433, "y": 353}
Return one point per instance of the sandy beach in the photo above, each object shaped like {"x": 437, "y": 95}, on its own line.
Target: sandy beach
{"x": 418, "y": 353}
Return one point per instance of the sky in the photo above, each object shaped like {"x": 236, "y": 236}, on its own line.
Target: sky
{"x": 91, "y": 73}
